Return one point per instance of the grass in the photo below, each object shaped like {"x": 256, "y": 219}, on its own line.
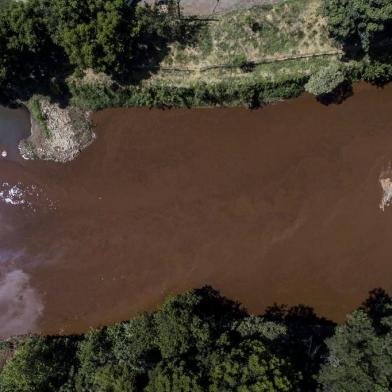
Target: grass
{"x": 255, "y": 47}
{"x": 287, "y": 28}
{"x": 35, "y": 110}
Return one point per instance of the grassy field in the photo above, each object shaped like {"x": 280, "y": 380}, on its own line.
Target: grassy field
{"x": 263, "y": 44}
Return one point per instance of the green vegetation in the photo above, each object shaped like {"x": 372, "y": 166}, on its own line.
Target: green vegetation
{"x": 360, "y": 351}
{"x": 101, "y": 53}
{"x": 364, "y": 30}
{"x": 360, "y": 22}
{"x": 326, "y": 80}
{"x": 36, "y": 113}
{"x": 201, "y": 341}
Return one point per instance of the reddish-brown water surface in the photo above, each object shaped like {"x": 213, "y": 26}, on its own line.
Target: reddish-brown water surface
{"x": 273, "y": 205}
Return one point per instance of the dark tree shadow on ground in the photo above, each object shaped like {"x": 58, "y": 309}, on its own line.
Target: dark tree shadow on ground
{"x": 153, "y": 45}
{"x": 45, "y": 73}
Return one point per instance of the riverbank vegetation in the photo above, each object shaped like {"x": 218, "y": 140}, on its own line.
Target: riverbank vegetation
{"x": 95, "y": 54}
{"x": 201, "y": 341}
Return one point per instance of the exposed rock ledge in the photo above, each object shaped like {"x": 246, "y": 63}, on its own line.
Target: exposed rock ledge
{"x": 57, "y": 134}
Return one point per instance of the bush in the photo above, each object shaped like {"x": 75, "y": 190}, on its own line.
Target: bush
{"x": 326, "y": 80}
{"x": 376, "y": 72}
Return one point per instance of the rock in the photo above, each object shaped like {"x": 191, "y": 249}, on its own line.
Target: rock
{"x": 57, "y": 134}
{"x": 386, "y": 185}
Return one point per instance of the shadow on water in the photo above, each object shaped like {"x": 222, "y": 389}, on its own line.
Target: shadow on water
{"x": 14, "y": 126}
{"x": 338, "y": 96}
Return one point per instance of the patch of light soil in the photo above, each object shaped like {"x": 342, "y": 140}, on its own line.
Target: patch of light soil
{"x": 25, "y": 196}
{"x": 386, "y": 185}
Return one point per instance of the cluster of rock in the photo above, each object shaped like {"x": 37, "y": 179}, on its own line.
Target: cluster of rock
{"x": 386, "y": 185}
{"x": 60, "y": 134}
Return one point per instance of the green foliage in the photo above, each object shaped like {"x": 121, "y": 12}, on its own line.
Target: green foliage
{"x": 95, "y": 34}
{"x": 41, "y": 364}
{"x": 42, "y": 42}
{"x": 359, "y": 356}
{"x": 200, "y": 341}
{"x": 363, "y": 22}
{"x": 251, "y": 93}
{"x": 326, "y": 80}
{"x": 5, "y": 3}
{"x": 173, "y": 377}
{"x": 36, "y": 113}
{"x": 191, "y": 344}
{"x": 376, "y": 72}
{"x": 251, "y": 367}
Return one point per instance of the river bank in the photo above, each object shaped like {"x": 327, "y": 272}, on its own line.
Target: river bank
{"x": 283, "y": 46}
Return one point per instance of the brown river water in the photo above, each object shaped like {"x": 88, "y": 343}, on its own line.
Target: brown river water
{"x": 278, "y": 205}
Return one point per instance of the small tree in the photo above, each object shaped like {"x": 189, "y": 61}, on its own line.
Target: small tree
{"x": 326, "y": 80}
{"x": 360, "y": 355}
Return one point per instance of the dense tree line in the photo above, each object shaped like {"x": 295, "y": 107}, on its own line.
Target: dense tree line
{"x": 364, "y": 29}
{"x": 44, "y": 41}
{"x": 201, "y": 341}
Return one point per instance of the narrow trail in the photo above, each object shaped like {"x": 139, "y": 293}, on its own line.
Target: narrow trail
{"x": 266, "y": 60}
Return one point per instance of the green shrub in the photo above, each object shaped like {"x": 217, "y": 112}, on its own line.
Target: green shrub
{"x": 326, "y": 80}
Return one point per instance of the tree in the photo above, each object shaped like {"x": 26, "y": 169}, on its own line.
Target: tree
{"x": 326, "y": 80}
{"x": 250, "y": 366}
{"x": 360, "y": 355}
{"x": 173, "y": 376}
{"x": 41, "y": 364}
{"x": 359, "y": 22}
{"x": 29, "y": 58}
{"x": 95, "y": 34}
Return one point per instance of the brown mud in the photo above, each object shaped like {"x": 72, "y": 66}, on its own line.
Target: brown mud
{"x": 278, "y": 205}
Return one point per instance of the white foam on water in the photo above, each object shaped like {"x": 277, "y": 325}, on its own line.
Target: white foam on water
{"x": 25, "y": 196}
{"x": 20, "y": 304}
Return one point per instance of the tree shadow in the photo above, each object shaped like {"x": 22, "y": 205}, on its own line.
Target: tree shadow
{"x": 46, "y": 72}
{"x": 304, "y": 342}
{"x": 154, "y": 44}
{"x": 338, "y": 95}
{"x": 215, "y": 305}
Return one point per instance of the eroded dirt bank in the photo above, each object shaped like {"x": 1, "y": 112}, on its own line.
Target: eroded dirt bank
{"x": 274, "y": 205}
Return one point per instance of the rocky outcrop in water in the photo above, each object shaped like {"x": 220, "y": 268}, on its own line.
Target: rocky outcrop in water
{"x": 57, "y": 134}
{"x": 386, "y": 185}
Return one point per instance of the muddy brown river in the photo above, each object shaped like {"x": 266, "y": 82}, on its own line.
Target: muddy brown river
{"x": 273, "y": 205}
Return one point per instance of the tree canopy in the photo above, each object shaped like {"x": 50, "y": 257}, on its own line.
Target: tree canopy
{"x": 42, "y": 42}
{"x": 364, "y": 23}
{"x": 200, "y": 341}
{"x": 360, "y": 352}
